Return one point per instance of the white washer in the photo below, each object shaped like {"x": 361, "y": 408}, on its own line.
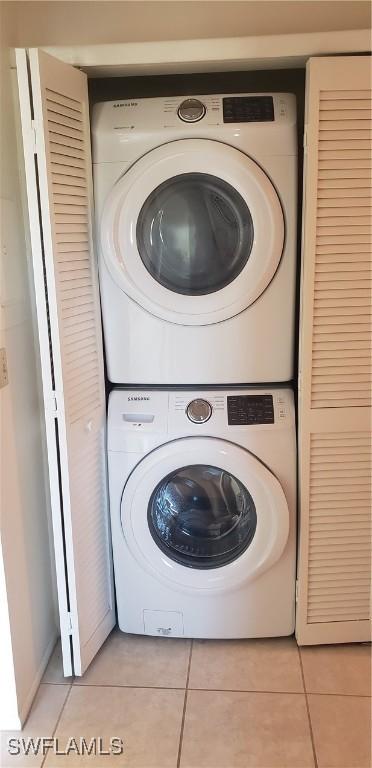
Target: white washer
{"x": 203, "y": 511}
{"x": 196, "y": 217}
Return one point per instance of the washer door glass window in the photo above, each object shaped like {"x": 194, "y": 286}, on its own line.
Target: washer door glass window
{"x": 194, "y": 234}
{"x": 202, "y": 516}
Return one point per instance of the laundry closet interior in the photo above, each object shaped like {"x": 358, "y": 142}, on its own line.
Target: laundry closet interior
{"x": 190, "y": 401}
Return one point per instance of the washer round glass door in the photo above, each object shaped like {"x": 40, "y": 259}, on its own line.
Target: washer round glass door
{"x": 202, "y": 516}
{"x": 193, "y": 231}
{"x": 204, "y": 513}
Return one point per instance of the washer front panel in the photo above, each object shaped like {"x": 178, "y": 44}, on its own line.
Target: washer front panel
{"x": 128, "y": 197}
{"x": 272, "y": 525}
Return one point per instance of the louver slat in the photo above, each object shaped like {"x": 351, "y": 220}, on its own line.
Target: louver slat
{"x": 79, "y": 509}
{"x": 334, "y": 571}
{"x": 345, "y": 545}
{"x": 342, "y": 257}
{"x": 72, "y": 188}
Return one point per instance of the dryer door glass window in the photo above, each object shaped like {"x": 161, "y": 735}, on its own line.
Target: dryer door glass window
{"x": 194, "y": 234}
{"x": 202, "y": 516}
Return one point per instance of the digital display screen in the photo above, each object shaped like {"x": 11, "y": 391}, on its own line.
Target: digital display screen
{"x": 248, "y": 109}
{"x": 250, "y": 409}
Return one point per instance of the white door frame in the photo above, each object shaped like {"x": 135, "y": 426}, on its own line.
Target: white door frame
{"x": 210, "y": 55}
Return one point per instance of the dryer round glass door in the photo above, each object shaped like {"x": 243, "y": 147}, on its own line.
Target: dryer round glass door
{"x": 193, "y": 231}
{"x": 205, "y": 514}
{"x": 194, "y": 234}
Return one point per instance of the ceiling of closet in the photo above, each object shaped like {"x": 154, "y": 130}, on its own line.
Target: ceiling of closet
{"x": 81, "y": 23}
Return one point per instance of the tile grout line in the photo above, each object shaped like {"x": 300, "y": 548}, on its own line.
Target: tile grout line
{"x": 184, "y": 707}
{"x": 131, "y": 687}
{"x": 216, "y": 690}
{"x": 58, "y": 719}
{"x": 53, "y": 682}
{"x": 308, "y": 709}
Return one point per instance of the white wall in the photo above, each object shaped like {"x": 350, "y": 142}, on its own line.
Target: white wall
{"x": 73, "y": 23}
{"x": 9, "y": 718}
{"x": 24, "y": 501}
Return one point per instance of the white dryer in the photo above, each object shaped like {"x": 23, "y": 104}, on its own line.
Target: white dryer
{"x": 196, "y": 225}
{"x": 203, "y": 511}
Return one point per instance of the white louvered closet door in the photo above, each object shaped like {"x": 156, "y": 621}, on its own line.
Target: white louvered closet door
{"x": 59, "y": 187}
{"x": 334, "y": 575}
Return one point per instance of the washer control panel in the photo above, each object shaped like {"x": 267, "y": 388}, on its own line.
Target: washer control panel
{"x": 250, "y": 409}
{"x": 139, "y": 420}
{"x": 191, "y": 110}
{"x": 199, "y": 411}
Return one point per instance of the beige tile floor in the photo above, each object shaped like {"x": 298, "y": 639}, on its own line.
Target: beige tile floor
{"x": 209, "y": 704}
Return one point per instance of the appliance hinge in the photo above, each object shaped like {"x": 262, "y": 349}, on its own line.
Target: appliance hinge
{"x": 69, "y": 623}
{"x": 296, "y": 590}
{"x": 305, "y": 138}
{"x": 34, "y": 136}
{"x": 53, "y": 405}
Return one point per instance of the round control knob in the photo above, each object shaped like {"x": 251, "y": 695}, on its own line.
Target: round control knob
{"x": 199, "y": 411}
{"x": 191, "y": 110}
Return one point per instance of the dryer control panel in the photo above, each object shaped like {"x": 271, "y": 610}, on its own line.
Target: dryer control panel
{"x": 248, "y": 109}
{"x": 126, "y": 129}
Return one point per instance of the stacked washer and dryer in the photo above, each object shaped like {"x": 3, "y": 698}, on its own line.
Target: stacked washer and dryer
{"x": 196, "y": 213}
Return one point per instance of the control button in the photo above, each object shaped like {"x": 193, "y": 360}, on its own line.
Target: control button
{"x": 191, "y": 110}
{"x": 199, "y": 411}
